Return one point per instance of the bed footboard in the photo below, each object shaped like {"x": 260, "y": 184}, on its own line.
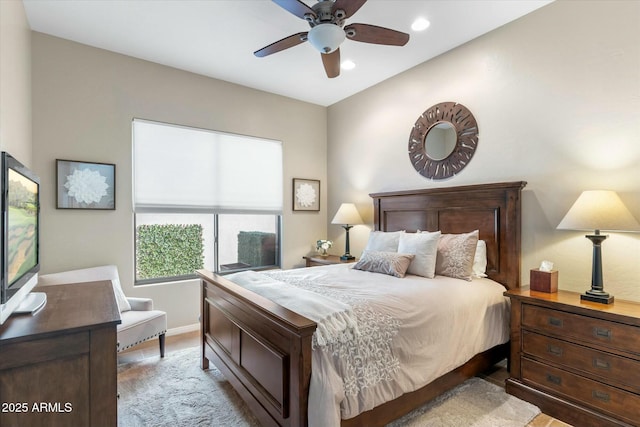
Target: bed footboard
{"x": 263, "y": 349}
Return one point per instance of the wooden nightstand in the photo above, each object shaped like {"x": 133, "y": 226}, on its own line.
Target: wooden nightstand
{"x": 315, "y": 260}
{"x": 577, "y": 361}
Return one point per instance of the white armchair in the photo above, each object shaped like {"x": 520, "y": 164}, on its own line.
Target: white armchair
{"x": 140, "y": 322}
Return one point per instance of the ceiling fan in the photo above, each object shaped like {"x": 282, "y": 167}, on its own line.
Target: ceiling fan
{"x": 326, "y": 19}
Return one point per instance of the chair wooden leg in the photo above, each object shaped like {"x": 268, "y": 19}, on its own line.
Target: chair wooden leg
{"x": 161, "y": 340}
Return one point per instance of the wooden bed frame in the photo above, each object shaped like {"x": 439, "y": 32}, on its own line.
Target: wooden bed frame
{"x": 264, "y": 350}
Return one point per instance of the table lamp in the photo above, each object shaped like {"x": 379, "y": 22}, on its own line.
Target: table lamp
{"x": 347, "y": 216}
{"x": 598, "y": 210}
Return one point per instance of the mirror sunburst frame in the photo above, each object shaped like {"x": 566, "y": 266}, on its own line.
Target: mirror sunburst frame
{"x": 466, "y": 130}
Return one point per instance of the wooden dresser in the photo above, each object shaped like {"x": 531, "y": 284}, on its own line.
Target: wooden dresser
{"x": 59, "y": 366}
{"x": 577, "y": 361}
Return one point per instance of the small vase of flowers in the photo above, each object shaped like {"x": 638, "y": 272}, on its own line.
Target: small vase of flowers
{"x": 322, "y": 246}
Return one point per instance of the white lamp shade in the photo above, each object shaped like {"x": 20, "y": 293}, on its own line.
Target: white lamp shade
{"x": 347, "y": 214}
{"x": 326, "y": 37}
{"x": 599, "y": 210}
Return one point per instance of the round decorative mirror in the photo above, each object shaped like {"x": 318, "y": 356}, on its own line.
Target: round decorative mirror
{"x": 440, "y": 141}
{"x": 443, "y": 140}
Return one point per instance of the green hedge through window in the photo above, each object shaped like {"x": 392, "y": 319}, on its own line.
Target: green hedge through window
{"x": 168, "y": 250}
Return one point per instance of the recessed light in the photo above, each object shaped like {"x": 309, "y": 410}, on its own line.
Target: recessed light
{"x": 420, "y": 24}
{"x": 348, "y": 65}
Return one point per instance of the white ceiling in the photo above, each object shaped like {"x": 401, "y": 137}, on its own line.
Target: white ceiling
{"x": 217, "y": 38}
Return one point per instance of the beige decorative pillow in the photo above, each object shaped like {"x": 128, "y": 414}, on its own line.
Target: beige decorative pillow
{"x": 456, "y": 253}
{"x": 391, "y": 263}
{"x": 424, "y": 246}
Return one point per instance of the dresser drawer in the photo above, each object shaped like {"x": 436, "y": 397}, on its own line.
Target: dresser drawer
{"x": 616, "y": 370}
{"x": 614, "y": 401}
{"x": 612, "y": 335}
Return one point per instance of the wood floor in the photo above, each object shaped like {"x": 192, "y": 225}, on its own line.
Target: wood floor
{"x": 192, "y": 339}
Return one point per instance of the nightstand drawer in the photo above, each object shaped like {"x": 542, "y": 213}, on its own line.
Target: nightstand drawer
{"x": 612, "y": 369}
{"x": 611, "y": 400}
{"x": 584, "y": 328}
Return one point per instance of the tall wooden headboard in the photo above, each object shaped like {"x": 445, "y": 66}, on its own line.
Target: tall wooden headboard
{"x": 493, "y": 209}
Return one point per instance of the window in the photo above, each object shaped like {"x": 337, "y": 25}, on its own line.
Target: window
{"x": 204, "y": 199}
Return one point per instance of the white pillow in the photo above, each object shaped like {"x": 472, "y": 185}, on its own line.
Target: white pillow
{"x": 424, "y": 246}
{"x": 383, "y": 241}
{"x": 121, "y": 299}
{"x": 480, "y": 260}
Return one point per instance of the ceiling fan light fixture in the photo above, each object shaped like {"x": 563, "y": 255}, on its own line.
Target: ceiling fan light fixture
{"x": 326, "y": 38}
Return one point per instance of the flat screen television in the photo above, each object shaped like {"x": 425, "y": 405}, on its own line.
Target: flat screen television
{"x": 19, "y": 245}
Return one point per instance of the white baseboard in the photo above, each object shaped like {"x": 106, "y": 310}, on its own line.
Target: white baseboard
{"x": 183, "y": 329}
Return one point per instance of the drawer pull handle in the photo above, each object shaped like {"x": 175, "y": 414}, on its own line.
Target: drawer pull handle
{"x": 555, "y": 350}
{"x": 602, "y": 364}
{"x": 554, "y": 379}
{"x": 555, "y": 322}
{"x": 600, "y": 395}
{"x": 602, "y": 333}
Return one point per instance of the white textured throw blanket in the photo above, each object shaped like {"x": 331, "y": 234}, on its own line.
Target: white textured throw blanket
{"x": 379, "y": 336}
{"x": 336, "y": 321}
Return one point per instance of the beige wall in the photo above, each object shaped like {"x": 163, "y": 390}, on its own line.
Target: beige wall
{"x": 15, "y": 81}
{"x": 83, "y": 104}
{"x": 556, "y": 96}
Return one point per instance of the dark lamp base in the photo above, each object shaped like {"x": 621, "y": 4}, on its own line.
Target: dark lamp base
{"x": 347, "y": 257}
{"x": 602, "y": 298}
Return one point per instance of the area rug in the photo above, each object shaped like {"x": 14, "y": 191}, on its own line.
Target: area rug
{"x": 175, "y": 392}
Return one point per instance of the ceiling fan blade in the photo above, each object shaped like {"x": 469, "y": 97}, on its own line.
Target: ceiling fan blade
{"x": 348, "y": 6}
{"x": 331, "y": 62}
{"x": 296, "y": 7}
{"x": 378, "y": 35}
{"x": 283, "y": 44}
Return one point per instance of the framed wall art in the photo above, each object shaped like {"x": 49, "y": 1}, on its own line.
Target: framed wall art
{"x": 85, "y": 185}
{"x": 306, "y": 194}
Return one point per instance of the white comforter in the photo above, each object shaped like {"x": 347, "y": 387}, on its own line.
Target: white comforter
{"x": 401, "y": 334}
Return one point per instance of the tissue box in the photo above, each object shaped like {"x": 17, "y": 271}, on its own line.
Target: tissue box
{"x": 544, "y": 281}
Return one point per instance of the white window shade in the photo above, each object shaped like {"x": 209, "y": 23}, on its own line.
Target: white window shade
{"x": 185, "y": 169}
{"x": 249, "y": 174}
